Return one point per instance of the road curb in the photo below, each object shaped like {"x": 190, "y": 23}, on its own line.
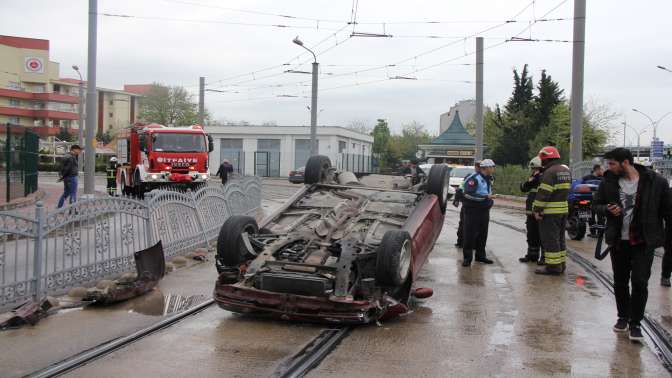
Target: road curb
{"x": 31, "y": 199}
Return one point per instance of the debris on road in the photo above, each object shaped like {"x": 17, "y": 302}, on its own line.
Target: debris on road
{"x": 29, "y": 312}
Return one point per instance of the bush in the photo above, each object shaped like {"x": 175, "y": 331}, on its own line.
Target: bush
{"x": 508, "y": 179}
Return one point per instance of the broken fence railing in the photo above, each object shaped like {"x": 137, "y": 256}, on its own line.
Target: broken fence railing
{"x": 96, "y": 238}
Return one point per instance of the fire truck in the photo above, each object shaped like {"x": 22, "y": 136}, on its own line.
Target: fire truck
{"x": 154, "y": 155}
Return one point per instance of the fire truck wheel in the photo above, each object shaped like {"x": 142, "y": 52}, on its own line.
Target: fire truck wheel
{"x": 231, "y": 249}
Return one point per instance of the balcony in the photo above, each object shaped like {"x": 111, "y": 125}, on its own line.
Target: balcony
{"x": 44, "y": 96}
{"x": 38, "y": 113}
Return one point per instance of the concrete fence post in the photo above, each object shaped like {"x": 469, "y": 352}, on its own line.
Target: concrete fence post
{"x": 40, "y": 217}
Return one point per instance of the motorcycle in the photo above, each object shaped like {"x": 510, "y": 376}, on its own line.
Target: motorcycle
{"x": 580, "y": 209}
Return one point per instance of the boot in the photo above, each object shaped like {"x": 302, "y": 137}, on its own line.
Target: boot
{"x": 551, "y": 270}
{"x": 530, "y": 257}
{"x": 468, "y": 255}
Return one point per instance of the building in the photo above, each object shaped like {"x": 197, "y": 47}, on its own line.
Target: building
{"x": 453, "y": 146}
{"x": 467, "y": 110}
{"x": 33, "y": 94}
{"x": 274, "y": 151}
{"x": 140, "y": 89}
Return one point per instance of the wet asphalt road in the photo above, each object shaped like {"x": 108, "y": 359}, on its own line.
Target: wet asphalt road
{"x": 497, "y": 320}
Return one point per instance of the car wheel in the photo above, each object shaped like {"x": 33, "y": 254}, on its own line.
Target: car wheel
{"x": 437, "y": 184}
{"x": 231, "y": 250}
{"x": 317, "y": 169}
{"x": 393, "y": 263}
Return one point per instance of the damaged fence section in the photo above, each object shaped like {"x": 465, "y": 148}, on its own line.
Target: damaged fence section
{"x": 96, "y": 238}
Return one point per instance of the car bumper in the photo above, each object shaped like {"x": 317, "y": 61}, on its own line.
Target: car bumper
{"x": 246, "y": 300}
{"x": 296, "y": 179}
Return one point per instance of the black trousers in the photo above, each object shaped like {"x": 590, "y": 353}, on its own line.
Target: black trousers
{"x": 667, "y": 263}
{"x": 631, "y": 264}
{"x": 533, "y": 240}
{"x": 476, "y": 221}
{"x": 460, "y": 228}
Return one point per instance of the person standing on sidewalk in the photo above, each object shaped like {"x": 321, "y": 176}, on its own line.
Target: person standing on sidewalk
{"x": 477, "y": 201}
{"x": 112, "y": 176}
{"x": 550, "y": 208}
{"x": 224, "y": 170}
{"x": 68, "y": 174}
{"x": 635, "y": 201}
{"x": 532, "y": 226}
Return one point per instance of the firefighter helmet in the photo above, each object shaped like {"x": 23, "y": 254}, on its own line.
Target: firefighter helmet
{"x": 113, "y": 159}
{"x": 549, "y": 152}
{"x": 535, "y": 163}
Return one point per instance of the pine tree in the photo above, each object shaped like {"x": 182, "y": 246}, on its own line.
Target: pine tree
{"x": 548, "y": 97}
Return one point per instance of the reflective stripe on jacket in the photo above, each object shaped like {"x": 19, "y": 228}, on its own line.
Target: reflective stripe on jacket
{"x": 551, "y": 198}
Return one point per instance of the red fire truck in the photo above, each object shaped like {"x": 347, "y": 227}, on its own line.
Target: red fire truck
{"x": 154, "y": 155}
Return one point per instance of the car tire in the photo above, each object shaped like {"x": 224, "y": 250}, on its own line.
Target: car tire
{"x": 393, "y": 261}
{"x": 576, "y": 229}
{"x": 317, "y": 169}
{"x": 231, "y": 250}
{"x": 437, "y": 184}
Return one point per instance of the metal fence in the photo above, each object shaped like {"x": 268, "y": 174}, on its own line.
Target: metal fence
{"x": 19, "y": 156}
{"x": 664, "y": 167}
{"x": 354, "y": 163}
{"x": 96, "y": 238}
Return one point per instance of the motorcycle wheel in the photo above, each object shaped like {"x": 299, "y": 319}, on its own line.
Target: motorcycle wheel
{"x": 576, "y": 229}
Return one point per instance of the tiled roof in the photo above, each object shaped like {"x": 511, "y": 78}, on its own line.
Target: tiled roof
{"x": 455, "y": 134}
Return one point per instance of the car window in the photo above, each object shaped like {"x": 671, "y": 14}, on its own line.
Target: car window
{"x": 461, "y": 172}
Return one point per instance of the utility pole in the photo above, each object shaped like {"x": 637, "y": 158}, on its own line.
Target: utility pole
{"x": 201, "y": 100}
{"x": 313, "y": 112}
{"x": 578, "y": 52}
{"x": 80, "y": 141}
{"x": 91, "y": 102}
{"x": 313, "y": 101}
{"x": 625, "y": 125}
{"x": 479, "y": 98}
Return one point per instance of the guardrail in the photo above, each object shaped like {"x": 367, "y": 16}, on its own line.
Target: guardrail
{"x": 96, "y": 238}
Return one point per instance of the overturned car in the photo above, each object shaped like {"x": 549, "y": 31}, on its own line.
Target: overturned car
{"x": 339, "y": 250}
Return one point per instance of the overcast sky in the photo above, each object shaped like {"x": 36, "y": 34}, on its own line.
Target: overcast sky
{"x": 174, "y": 42}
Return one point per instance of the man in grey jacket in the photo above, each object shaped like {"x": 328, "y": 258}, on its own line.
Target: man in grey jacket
{"x": 68, "y": 174}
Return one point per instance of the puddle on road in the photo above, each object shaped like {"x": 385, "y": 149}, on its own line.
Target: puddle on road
{"x": 156, "y": 303}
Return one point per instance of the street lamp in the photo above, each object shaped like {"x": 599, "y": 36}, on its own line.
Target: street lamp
{"x": 80, "y": 139}
{"x": 638, "y": 133}
{"x": 664, "y": 68}
{"x": 313, "y": 102}
{"x": 654, "y": 124}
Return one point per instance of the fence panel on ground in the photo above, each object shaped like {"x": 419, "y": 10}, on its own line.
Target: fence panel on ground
{"x": 96, "y": 238}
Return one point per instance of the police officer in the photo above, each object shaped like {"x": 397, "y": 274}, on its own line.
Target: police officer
{"x": 112, "y": 176}
{"x": 477, "y": 201}
{"x": 530, "y": 187}
{"x": 550, "y": 208}
{"x": 459, "y": 195}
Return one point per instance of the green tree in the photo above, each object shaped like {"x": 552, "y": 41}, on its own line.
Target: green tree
{"x": 558, "y": 131}
{"x": 169, "y": 106}
{"x": 104, "y": 138}
{"x": 381, "y": 142}
{"x": 522, "y": 96}
{"x": 549, "y": 95}
{"x": 404, "y": 146}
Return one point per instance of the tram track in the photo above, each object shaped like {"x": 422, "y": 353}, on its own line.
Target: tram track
{"x": 657, "y": 337}
{"x": 293, "y": 366}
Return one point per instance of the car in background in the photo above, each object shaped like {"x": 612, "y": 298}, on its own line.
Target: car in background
{"x": 458, "y": 174}
{"x": 426, "y": 167}
{"x": 297, "y": 176}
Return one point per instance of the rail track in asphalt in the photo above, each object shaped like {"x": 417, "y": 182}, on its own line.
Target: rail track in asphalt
{"x": 657, "y": 337}
{"x": 294, "y": 366}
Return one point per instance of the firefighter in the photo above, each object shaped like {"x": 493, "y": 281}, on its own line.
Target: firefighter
{"x": 112, "y": 176}
{"x": 550, "y": 208}
{"x": 477, "y": 201}
{"x": 530, "y": 187}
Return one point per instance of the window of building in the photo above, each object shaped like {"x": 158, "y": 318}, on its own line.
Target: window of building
{"x": 354, "y": 146}
{"x": 111, "y": 102}
{"x": 57, "y": 88}
{"x": 15, "y": 120}
{"x": 14, "y": 102}
{"x": 111, "y": 115}
{"x": 342, "y": 146}
{"x": 14, "y": 85}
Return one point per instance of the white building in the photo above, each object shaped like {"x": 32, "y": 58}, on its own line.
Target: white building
{"x": 276, "y": 150}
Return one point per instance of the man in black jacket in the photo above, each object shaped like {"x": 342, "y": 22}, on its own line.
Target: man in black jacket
{"x": 635, "y": 201}
{"x": 531, "y": 186}
{"x": 68, "y": 174}
{"x": 224, "y": 170}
